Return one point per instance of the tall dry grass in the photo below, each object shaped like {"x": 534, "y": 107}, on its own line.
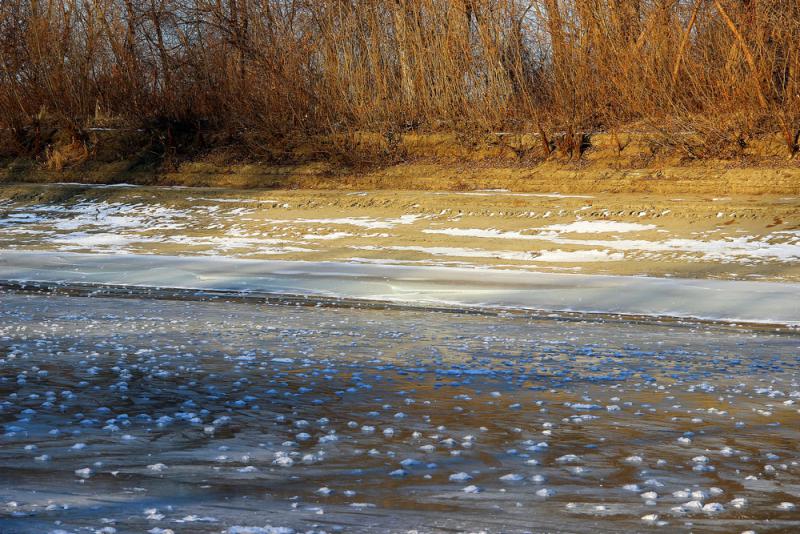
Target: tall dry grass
{"x": 260, "y": 72}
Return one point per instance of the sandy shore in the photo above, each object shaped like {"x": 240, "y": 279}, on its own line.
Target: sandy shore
{"x": 689, "y": 236}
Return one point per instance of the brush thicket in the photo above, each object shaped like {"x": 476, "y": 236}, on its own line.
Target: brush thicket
{"x": 272, "y": 71}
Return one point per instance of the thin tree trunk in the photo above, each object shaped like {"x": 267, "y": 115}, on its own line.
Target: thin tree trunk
{"x": 748, "y": 55}
{"x": 685, "y": 40}
{"x": 400, "y": 16}
{"x": 155, "y": 16}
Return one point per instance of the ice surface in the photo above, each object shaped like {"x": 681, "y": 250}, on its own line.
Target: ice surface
{"x": 760, "y": 302}
{"x": 164, "y": 415}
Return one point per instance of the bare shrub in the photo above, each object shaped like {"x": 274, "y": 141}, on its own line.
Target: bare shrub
{"x": 283, "y": 70}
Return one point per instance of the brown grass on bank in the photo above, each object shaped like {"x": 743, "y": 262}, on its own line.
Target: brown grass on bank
{"x": 193, "y": 74}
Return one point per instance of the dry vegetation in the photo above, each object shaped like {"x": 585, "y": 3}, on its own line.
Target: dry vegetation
{"x": 267, "y": 76}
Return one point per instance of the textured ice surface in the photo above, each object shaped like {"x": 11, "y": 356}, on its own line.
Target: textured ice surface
{"x": 187, "y": 416}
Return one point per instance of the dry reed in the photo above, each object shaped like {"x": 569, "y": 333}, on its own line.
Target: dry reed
{"x": 266, "y": 72}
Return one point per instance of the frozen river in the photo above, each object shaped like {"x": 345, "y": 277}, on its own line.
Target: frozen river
{"x": 185, "y": 416}
{"x": 181, "y": 362}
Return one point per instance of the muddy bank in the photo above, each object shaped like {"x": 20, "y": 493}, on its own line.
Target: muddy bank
{"x": 606, "y": 163}
{"x": 433, "y": 176}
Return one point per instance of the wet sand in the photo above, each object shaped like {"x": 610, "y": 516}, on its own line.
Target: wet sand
{"x": 744, "y": 238}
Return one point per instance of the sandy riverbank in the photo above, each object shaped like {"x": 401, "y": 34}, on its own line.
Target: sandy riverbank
{"x": 634, "y": 163}
{"x": 584, "y": 177}
{"x": 690, "y": 236}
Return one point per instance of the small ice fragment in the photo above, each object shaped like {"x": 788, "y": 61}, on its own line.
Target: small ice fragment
{"x": 153, "y": 514}
{"x": 83, "y": 473}
{"x": 694, "y": 506}
{"x": 650, "y": 518}
{"x": 247, "y": 469}
{"x": 283, "y": 460}
{"x": 739, "y": 502}
{"x": 713, "y": 508}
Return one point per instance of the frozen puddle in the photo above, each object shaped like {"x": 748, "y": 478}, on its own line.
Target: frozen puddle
{"x": 737, "y": 301}
{"x": 158, "y": 416}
